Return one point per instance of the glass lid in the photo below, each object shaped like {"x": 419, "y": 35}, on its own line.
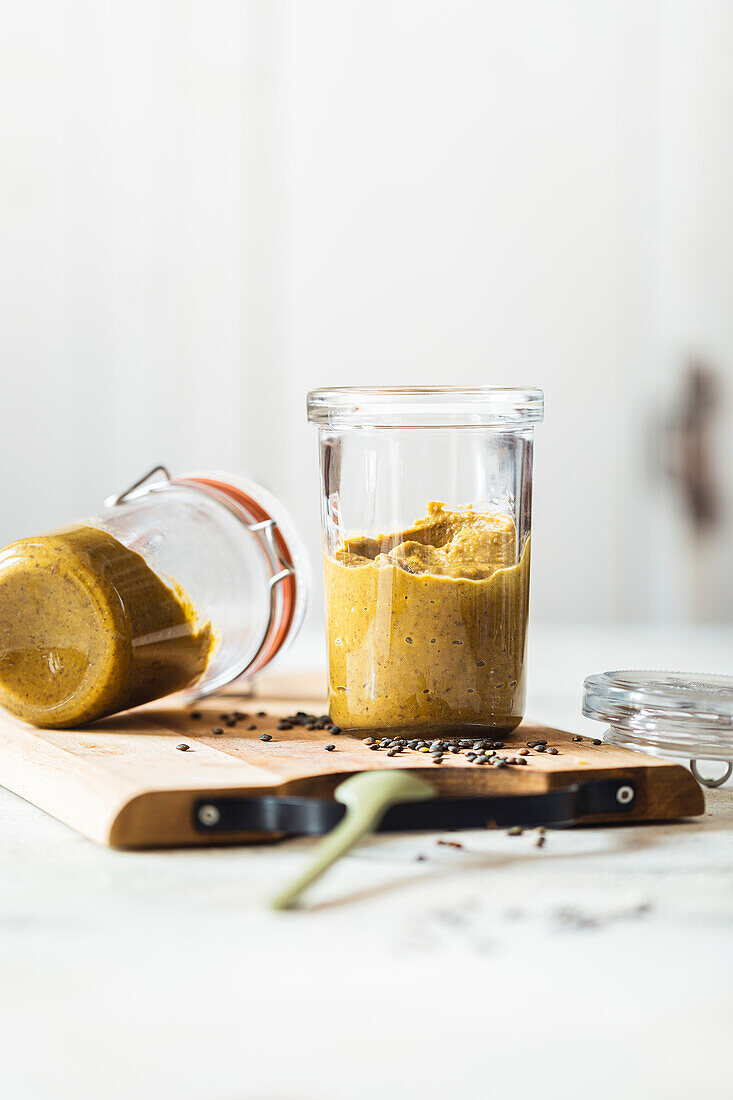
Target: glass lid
{"x": 665, "y": 713}
{"x": 426, "y": 406}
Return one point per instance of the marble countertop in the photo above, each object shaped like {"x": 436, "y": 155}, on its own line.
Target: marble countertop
{"x": 601, "y": 963}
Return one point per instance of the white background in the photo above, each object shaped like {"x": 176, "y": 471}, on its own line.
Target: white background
{"x": 208, "y": 208}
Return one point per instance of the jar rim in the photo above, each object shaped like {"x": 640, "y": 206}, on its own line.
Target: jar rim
{"x": 425, "y": 406}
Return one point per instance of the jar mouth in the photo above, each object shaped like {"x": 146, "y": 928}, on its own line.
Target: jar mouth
{"x": 426, "y": 406}
{"x": 265, "y": 516}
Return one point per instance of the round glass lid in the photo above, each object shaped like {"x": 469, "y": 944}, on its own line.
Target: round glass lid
{"x": 665, "y": 713}
{"x": 426, "y": 406}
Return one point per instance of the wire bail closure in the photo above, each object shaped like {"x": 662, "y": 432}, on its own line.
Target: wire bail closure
{"x": 267, "y": 534}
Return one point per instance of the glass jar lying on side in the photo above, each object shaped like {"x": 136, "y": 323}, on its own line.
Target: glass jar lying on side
{"x": 182, "y": 584}
{"x": 426, "y": 514}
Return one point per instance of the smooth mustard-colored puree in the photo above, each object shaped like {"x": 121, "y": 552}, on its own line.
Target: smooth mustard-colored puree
{"x": 88, "y": 629}
{"x": 427, "y": 627}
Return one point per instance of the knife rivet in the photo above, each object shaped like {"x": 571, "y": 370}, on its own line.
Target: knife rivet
{"x": 624, "y": 795}
{"x": 209, "y": 815}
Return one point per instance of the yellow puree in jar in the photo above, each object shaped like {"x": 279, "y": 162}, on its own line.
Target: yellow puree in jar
{"x": 88, "y": 629}
{"x": 427, "y": 627}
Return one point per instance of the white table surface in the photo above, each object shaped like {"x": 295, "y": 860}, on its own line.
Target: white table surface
{"x": 599, "y": 965}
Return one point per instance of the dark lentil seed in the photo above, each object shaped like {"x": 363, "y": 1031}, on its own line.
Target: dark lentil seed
{"x": 196, "y": 714}
{"x": 552, "y": 752}
{"x": 540, "y": 741}
{"x": 183, "y": 748}
{"x": 217, "y": 729}
{"x": 367, "y": 741}
{"x": 498, "y": 745}
{"x": 374, "y": 748}
{"x": 523, "y": 752}
{"x": 330, "y": 748}
{"x": 262, "y": 714}
{"x": 252, "y": 727}
{"x": 265, "y": 737}
{"x": 596, "y": 741}
{"x": 577, "y": 739}
{"x": 540, "y": 842}
{"x": 392, "y": 752}
{"x": 335, "y": 729}
{"x": 539, "y": 748}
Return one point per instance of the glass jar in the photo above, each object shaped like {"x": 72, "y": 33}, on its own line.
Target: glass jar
{"x": 426, "y": 514}
{"x": 178, "y": 584}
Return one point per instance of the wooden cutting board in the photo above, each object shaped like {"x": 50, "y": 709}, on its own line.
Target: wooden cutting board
{"x": 123, "y": 782}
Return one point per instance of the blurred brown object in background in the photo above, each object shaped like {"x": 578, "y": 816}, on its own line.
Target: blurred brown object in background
{"x": 692, "y": 462}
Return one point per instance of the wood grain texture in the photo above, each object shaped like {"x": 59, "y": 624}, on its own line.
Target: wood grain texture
{"x": 122, "y": 782}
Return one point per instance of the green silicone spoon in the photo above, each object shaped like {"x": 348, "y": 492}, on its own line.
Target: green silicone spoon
{"x": 367, "y": 797}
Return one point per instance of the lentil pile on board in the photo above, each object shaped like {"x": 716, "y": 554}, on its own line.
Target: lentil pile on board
{"x": 427, "y": 626}
{"x": 88, "y": 629}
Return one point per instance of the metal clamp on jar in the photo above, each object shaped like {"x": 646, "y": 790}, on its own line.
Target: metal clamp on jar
{"x": 179, "y": 584}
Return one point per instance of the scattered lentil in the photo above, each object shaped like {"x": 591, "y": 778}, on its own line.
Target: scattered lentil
{"x": 183, "y": 748}
{"x": 330, "y": 748}
{"x": 265, "y": 737}
{"x": 217, "y": 729}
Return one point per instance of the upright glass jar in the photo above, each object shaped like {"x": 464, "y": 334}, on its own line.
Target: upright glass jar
{"x": 426, "y": 514}
{"x": 179, "y": 584}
